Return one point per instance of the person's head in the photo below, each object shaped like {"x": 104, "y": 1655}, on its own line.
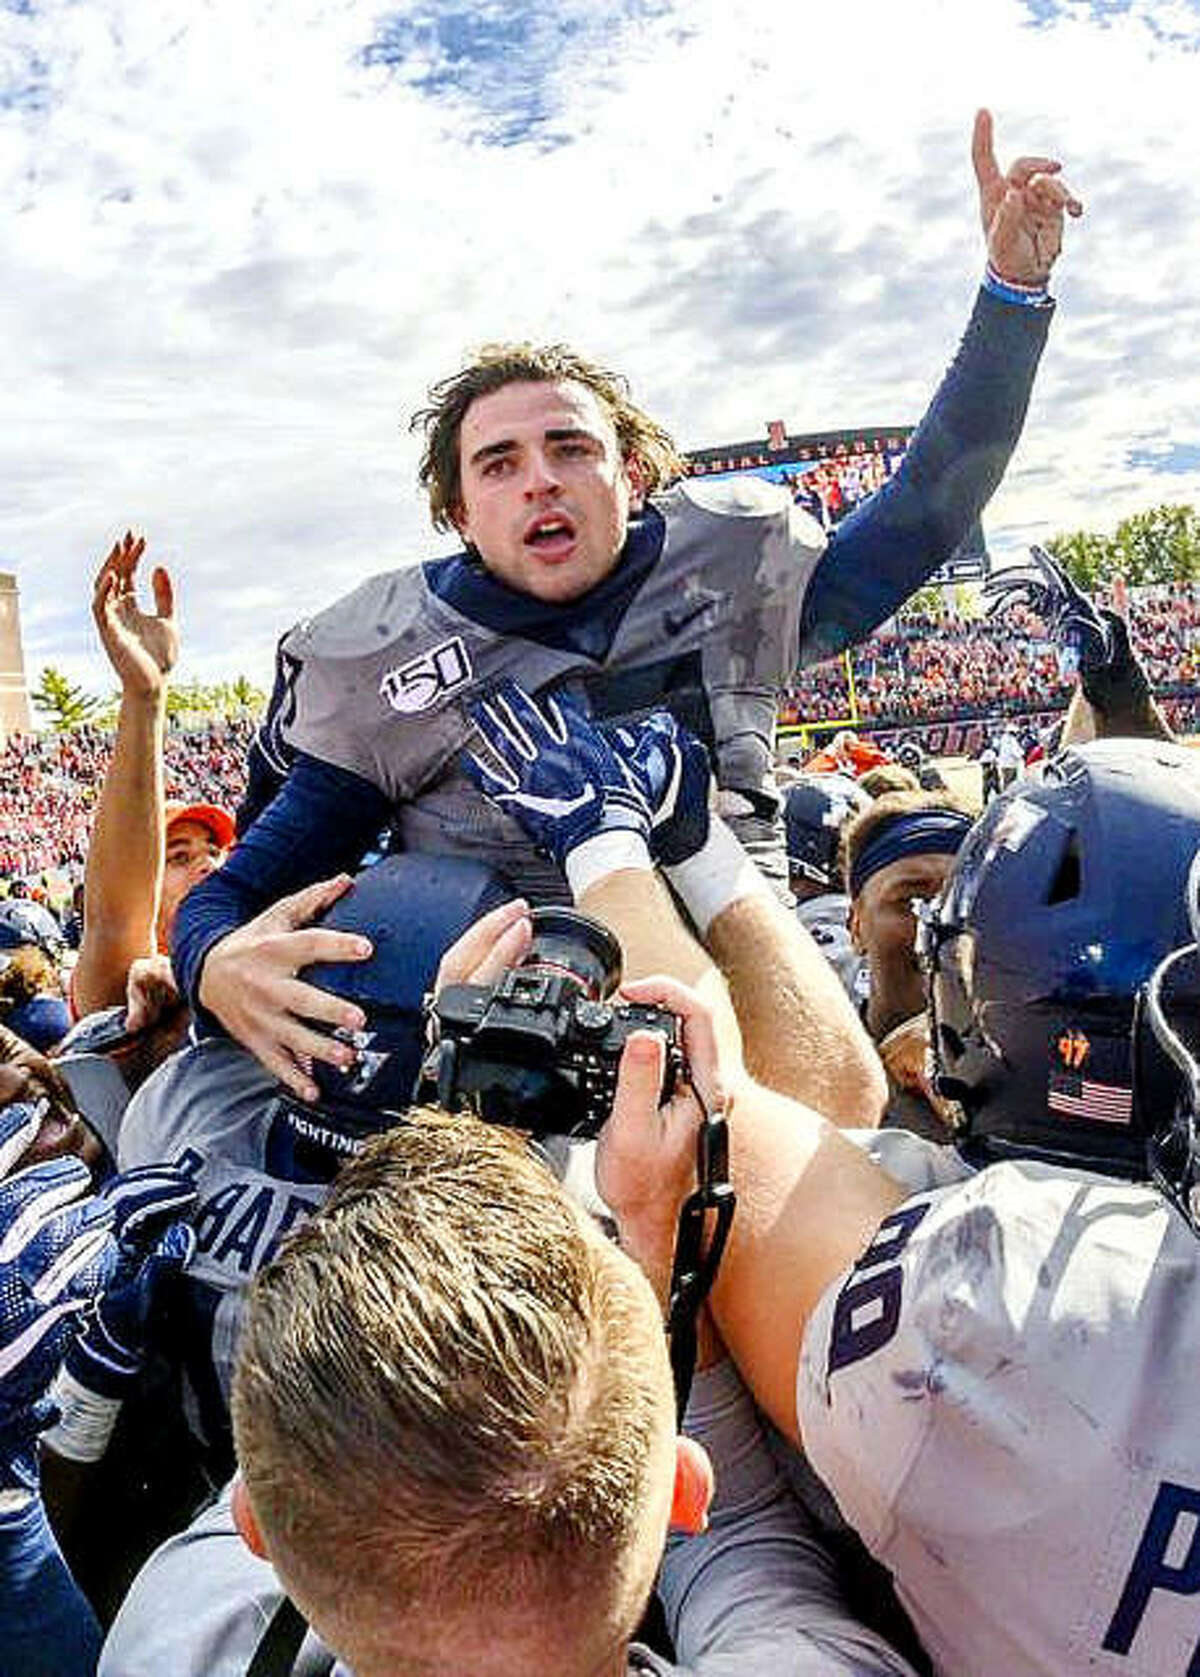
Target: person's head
{"x": 888, "y": 777}
{"x": 897, "y": 851}
{"x": 56, "y": 1128}
{"x": 536, "y": 457}
{"x": 816, "y": 809}
{"x": 1060, "y": 904}
{"x": 198, "y": 839}
{"x": 454, "y": 1416}
{"x": 31, "y": 998}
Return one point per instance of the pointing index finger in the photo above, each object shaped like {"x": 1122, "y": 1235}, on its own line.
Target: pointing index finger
{"x": 983, "y": 154}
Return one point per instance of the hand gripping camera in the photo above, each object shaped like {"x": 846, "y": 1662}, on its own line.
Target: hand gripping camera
{"x": 539, "y": 1050}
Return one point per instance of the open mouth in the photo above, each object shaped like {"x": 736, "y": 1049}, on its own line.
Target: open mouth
{"x": 53, "y": 1133}
{"x": 550, "y": 536}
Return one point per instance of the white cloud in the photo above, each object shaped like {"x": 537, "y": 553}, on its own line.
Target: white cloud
{"x": 240, "y": 254}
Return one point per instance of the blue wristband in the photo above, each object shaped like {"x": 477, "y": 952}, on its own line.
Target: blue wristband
{"x": 1025, "y": 296}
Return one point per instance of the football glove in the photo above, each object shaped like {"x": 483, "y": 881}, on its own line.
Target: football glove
{"x": 555, "y": 771}
{"x": 672, "y": 768}
{"x": 56, "y": 1253}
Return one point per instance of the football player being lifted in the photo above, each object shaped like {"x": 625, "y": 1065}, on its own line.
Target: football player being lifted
{"x": 589, "y": 565}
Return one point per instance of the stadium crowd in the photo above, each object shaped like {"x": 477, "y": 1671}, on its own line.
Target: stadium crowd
{"x": 937, "y": 669}
{"x": 386, "y": 1293}
{"x": 49, "y": 783}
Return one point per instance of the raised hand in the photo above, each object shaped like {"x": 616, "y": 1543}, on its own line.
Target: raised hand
{"x": 556, "y": 771}
{"x": 1084, "y": 634}
{"x": 142, "y": 647}
{"x": 1022, "y": 211}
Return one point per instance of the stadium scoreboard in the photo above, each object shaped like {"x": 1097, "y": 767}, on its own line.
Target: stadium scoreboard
{"x": 829, "y": 473}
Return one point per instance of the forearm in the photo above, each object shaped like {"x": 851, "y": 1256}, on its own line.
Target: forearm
{"x": 49, "y": 1628}
{"x": 800, "y": 1032}
{"x": 125, "y": 856}
{"x": 885, "y": 550}
{"x": 638, "y": 908}
{"x": 809, "y": 1202}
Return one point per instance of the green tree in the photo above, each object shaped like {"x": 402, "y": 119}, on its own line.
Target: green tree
{"x": 65, "y": 703}
{"x": 1159, "y": 545}
{"x": 1087, "y": 558}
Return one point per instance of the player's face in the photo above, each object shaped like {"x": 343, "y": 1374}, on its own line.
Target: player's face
{"x": 192, "y": 854}
{"x": 885, "y": 929}
{"x": 546, "y": 495}
{"x": 62, "y": 1132}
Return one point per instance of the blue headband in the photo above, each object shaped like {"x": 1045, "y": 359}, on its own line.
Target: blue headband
{"x": 924, "y": 832}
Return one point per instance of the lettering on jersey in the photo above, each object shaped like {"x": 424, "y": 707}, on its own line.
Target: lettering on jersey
{"x": 868, "y": 1307}
{"x": 240, "y": 1224}
{"x": 420, "y": 683}
{"x": 1168, "y": 1558}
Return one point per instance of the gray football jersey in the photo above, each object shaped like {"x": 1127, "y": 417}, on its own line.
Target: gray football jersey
{"x": 381, "y": 682}
{"x": 210, "y": 1109}
{"x": 999, "y": 1396}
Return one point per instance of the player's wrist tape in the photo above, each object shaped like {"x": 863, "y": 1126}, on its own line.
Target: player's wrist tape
{"x": 1012, "y": 291}
{"x": 717, "y": 876}
{"x": 85, "y": 1420}
{"x": 613, "y": 852}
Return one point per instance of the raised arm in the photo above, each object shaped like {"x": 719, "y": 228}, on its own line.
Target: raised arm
{"x": 886, "y": 549}
{"x": 123, "y": 876}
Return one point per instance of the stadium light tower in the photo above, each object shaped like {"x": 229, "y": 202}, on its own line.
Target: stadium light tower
{"x": 14, "y": 693}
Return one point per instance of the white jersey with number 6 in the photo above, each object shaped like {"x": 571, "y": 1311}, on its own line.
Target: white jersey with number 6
{"x": 1003, "y": 1397}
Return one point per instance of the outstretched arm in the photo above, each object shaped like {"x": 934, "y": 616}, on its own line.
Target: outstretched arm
{"x": 123, "y": 876}
{"x": 886, "y": 549}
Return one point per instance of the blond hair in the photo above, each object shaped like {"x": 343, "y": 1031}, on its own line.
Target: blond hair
{"x": 447, "y": 1387}
{"x": 642, "y": 442}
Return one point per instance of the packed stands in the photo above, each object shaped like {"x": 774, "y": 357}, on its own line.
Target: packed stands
{"x": 956, "y": 670}
{"x": 49, "y": 784}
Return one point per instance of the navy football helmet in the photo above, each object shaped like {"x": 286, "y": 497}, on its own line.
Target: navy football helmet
{"x": 1063, "y": 900}
{"x": 412, "y": 907}
{"x": 816, "y": 808}
{"x": 1167, "y": 1058}
{"x": 23, "y": 922}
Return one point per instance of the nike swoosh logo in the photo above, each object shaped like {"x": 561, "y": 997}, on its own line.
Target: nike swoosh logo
{"x": 675, "y": 622}
{"x": 553, "y": 806}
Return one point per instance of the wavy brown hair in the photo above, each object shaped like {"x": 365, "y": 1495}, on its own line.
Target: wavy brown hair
{"x": 642, "y": 442}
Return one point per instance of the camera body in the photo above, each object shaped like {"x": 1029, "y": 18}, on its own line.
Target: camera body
{"x": 539, "y": 1050}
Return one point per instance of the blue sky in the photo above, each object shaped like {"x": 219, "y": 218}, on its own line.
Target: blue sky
{"x": 243, "y": 238}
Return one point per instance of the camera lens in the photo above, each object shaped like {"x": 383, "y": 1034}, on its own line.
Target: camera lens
{"x": 567, "y": 942}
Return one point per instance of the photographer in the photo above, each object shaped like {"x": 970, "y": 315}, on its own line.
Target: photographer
{"x": 456, "y": 1431}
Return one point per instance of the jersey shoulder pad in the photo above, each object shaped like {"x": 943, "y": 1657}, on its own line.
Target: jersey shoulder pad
{"x": 375, "y": 613}
{"x": 213, "y": 1092}
{"x": 745, "y": 496}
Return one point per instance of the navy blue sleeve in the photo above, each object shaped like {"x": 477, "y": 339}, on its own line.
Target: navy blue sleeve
{"x": 884, "y": 550}
{"x": 49, "y": 1630}
{"x": 322, "y": 822}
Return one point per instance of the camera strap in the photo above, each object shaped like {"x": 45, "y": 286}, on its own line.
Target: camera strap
{"x": 698, "y": 1251}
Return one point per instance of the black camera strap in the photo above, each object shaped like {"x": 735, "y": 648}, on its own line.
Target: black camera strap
{"x": 697, "y": 1258}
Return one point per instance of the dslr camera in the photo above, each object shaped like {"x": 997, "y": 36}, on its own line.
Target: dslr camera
{"x": 539, "y": 1050}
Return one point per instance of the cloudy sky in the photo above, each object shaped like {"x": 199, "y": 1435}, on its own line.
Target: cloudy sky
{"x": 242, "y": 236}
